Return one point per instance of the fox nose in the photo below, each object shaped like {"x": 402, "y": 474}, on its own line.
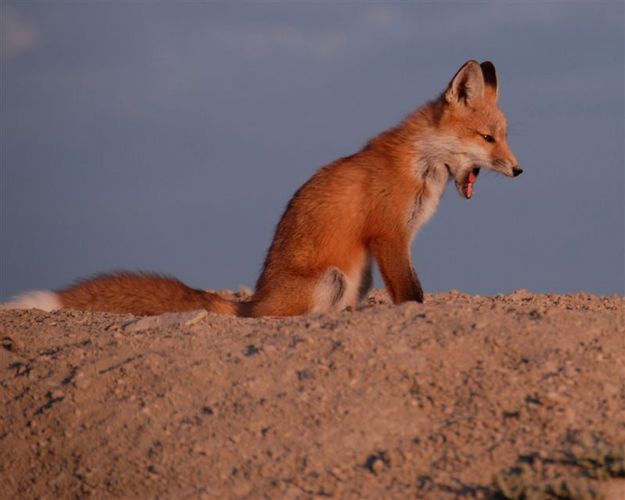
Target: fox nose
{"x": 516, "y": 170}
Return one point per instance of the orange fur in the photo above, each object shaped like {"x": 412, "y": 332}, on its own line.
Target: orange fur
{"x": 142, "y": 294}
{"x": 362, "y": 207}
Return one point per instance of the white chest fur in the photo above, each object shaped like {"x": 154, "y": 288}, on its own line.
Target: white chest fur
{"x": 434, "y": 179}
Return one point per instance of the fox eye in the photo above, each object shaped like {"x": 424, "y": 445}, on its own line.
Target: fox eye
{"x": 488, "y": 138}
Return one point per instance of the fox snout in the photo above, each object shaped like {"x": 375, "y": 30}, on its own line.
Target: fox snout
{"x": 508, "y": 168}
{"x": 511, "y": 171}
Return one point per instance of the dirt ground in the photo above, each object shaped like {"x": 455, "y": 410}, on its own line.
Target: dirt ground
{"x": 464, "y": 396}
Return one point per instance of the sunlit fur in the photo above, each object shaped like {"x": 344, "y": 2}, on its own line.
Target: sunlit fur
{"x": 35, "y": 299}
{"x": 366, "y": 206}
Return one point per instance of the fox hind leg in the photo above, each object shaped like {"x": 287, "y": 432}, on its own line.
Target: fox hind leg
{"x": 366, "y": 281}
{"x": 330, "y": 290}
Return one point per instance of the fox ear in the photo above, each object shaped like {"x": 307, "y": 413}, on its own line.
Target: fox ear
{"x": 490, "y": 80}
{"x": 467, "y": 85}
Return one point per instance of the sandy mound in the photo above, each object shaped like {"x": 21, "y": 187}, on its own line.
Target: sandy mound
{"x": 427, "y": 401}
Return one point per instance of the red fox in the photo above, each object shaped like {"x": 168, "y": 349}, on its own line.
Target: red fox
{"x": 366, "y": 206}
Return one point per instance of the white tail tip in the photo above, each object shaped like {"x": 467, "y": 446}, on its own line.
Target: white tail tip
{"x": 37, "y": 299}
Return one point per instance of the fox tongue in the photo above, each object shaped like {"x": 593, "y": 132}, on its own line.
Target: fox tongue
{"x": 468, "y": 185}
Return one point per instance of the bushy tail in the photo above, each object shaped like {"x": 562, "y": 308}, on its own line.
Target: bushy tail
{"x": 142, "y": 294}
{"x": 36, "y": 299}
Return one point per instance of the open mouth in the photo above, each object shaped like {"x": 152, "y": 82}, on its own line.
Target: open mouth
{"x": 467, "y": 185}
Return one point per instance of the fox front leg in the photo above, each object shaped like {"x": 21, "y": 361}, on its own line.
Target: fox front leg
{"x": 393, "y": 258}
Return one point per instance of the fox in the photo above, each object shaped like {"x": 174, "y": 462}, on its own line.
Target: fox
{"x": 360, "y": 208}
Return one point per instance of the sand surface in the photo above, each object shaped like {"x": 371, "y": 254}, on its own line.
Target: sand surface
{"x": 411, "y": 401}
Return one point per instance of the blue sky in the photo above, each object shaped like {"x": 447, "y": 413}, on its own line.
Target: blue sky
{"x": 169, "y": 136}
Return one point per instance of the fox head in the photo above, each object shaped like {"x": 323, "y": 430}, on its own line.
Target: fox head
{"x": 472, "y": 130}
